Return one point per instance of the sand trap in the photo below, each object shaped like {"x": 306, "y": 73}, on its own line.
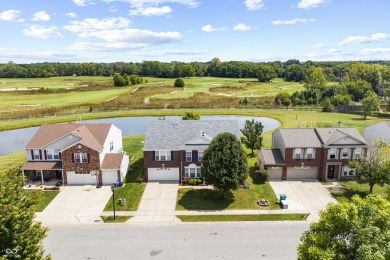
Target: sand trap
{"x": 217, "y": 84}
{"x": 29, "y": 105}
{"x": 225, "y": 95}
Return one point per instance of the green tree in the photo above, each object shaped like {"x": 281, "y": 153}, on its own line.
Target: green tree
{"x": 190, "y": 116}
{"x": 369, "y": 104}
{"x": 224, "y": 163}
{"x": 327, "y": 105}
{"x": 265, "y": 73}
{"x": 188, "y": 71}
{"x": 135, "y": 79}
{"x": 19, "y": 231}
{"x": 179, "y": 83}
{"x": 356, "y": 230}
{"x": 252, "y": 135}
{"x": 119, "y": 80}
{"x": 315, "y": 79}
{"x": 374, "y": 167}
{"x": 358, "y": 89}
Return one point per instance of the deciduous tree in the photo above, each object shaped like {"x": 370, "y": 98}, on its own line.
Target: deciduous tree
{"x": 369, "y": 104}
{"x": 224, "y": 163}
{"x": 190, "y": 116}
{"x": 315, "y": 79}
{"x": 252, "y": 135}
{"x": 265, "y": 73}
{"x": 179, "y": 83}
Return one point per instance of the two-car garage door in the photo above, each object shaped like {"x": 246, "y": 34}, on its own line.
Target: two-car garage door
{"x": 302, "y": 173}
{"x": 158, "y": 174}
{"x": 80, "y": 178}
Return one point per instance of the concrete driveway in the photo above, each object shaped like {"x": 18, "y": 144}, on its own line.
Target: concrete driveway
{"x": 158, "y": 204}
{"x": 305, "y": 194}
{"x": 76, "y": 205}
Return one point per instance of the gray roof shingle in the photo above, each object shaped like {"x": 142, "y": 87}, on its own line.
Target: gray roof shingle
{"x": 330, "y": 135}
{"x": 272, "y": 156}
{"x": 186, "y": 134}
{"x": 299, "y": 137}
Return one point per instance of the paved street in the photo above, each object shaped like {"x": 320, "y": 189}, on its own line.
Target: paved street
{"x": 309, "y": 195}
{"x": 251, "y": 240}
{"x": 76, "y": 205}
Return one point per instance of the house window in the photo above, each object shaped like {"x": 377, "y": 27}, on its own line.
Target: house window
{"x": 52, "y": 154}
{"x": 36, "y": 155}
{"x": 309, "y": 153}
{"x": 82, "y": 172}
{"x": 358, "y": 153}
{"x": 332, "y": 153}
{"x": 81, "y": 158}
{"x": 188, "y": 156}
{"x": 297, "y": 153}
{"x": 345, "y": 153}
{"x": 192, "y": 172}
{"x": 163, "y": 155}
{"x": 111, "y": 146}
{"x": 200, "y": 156}
{"x": 348, "y": 171}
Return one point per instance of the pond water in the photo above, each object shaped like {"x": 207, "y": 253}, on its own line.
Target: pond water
{"x": 15, "y": 140}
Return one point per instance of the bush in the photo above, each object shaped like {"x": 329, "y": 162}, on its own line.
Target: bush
{"x": 52, "y": 188}
{"x": 192, "y": 181}
{"x": 179, "y": 83}
{"x": 263, "y": 175}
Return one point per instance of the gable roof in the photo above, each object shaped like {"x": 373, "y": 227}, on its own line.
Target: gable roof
{"x": 91, "y": 135}
{"x": 186, "y": 134}
{"x": 112, "y": 161}
{"x": 299, "y": 137}
{"x": 330, "y": 135}
{"x": 271, "y": 156}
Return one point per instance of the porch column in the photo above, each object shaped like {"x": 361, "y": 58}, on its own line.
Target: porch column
{"x": 42, "y": 176}
{"x": 62, "y": 174}
{"x": 23, "y": 175}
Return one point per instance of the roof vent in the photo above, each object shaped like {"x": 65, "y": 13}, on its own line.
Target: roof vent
{"x": 202, "y": 133}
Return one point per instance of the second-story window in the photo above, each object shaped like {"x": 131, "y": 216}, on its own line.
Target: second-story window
{"x": 111, "y": 146}
{"x": 358, "y": 153}
{"x": 200, "y": 156}
{"x": 297, "y": 153}
{"x": 188, "y": 156}
{"x": 52, "y": 154}
{"x": 162, "y": 155}
{"x": 36, "y": 155}
{"x": 345, "y": 153}
{"x": 332, "y": 153}
{"x": 81, "y": 158}
{"x": 309, "y": 153}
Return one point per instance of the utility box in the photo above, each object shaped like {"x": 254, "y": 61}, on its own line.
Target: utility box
{"x": 284, "y": 204}
{"x": 124, "y": 202}
{"x": 282, "y": 196}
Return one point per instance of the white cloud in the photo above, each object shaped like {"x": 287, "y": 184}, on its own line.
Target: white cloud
{"x": 210, "y": 28}
{"x": 137, "y": 3}
{"x": 168, "y": 53}
{"x": 242, "y": 27}
{"x": 71, "y": 14}
{"x": 333, "y": 50}
{"x": 9, "y": 15}
{"x": 93, "y": 24}
{"x": 43, "y": 32}
{"x": 253, "y": 5}
{"x": 293, "y": 21}
{"x": 375, "y": 51}
{"x": 37, "y": 56}
{"x": 307, "y": 4}
{"x": 41, "y": 16}
{"x": 79, "y": 2}
{"x": 151, "y": 11}
{"x": 377, "y": 37}
{"x": 317, "y": 46}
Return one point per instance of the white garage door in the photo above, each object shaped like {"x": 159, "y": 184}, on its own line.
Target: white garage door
{"x": 158, "y": 174}
{"x": 109, "y": 177}
{"x": 302, "y": 173}
{"x": 275, "y": 172}
{"x": 81, "y": 179}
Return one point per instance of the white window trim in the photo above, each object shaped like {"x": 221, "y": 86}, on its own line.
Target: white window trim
{"x": 295, "y": 153}
{"x": 80, "y": 157}
{"x": 55, "y": 154}
{"x": 162, "y": 153}
{"x": 200, "y": 158}
{"x": 188, "y": 158}
{"x": 36, "y": 153}
{"x": 342, "y": 154}
{"x": 198, "y": 172}
{"x": 347, "y": 171}
{"x": 357, "y": 154}
{"x": 111, "y": 146}
{"x": 330, "y": 153}
{"x": 312, "y": 153}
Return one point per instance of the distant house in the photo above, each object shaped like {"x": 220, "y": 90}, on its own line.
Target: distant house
{"x": 312, "y": 153}
{"x": 173, "y": 150}
{"x": 378, "y": 131}
{"x": 77, "y": 154}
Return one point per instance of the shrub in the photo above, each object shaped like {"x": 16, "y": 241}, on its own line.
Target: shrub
{"x": 179, "y": 83}
{"x": 194, "y": 181}
{"x": 52, "y": 188}
{"x": 263, "y": 175}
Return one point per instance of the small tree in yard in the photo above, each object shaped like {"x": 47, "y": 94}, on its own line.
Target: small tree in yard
{"x": 252, "y": 135}
{"x": 374, "y": 167}
{"x": 224, "y": 163}
{"x": 357, "y": 230}
{"x": 21, "y": 236}
{"x": 179, "y": 83}
{"x": 369, "y": 104}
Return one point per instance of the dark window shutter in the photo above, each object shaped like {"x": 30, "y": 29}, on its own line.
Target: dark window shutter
{"x": 194, "y": 156}
{"x": 154, "y": 156}
{"x": 171, "y": 155}
{"x": 32, "y": 155}
{"x": 60, "y": 156}
{"x": 45, "y": 153}
{"x": 40, "y": 154}
{"x": 72, "y": 157}
{"x": 87, "y": 157}
{"x": 184, "y": 156}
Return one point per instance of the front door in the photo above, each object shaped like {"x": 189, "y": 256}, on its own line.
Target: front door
{"x": 58, "y": 175}
{"x": 331, "y": 171}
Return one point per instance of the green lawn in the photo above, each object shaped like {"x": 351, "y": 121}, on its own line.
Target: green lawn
{"x": 261, "y": 217}
{"x": 133, "y": 189}
{"x": 352, "y": 188}
{"x": 118, "y": 219}
{"x": 12, "y": 161}
{"x": 47, "y": 197}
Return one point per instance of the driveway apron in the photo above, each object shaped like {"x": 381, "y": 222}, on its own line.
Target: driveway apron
{"x": 76, "y": 205}
{"x": 158, "y": 204}
{"x": 311, "y": 195}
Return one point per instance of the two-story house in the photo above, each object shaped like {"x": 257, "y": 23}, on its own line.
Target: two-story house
{"x": 173, "y": 150}
{"x": 77, "y": 154}
{"x": 312, "y": 153}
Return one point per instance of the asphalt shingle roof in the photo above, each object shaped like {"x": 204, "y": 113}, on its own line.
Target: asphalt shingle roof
{"x": 299, "y": 137}
{"x": 112, "y": 161}
{"x": 272, "y": 156}
{"x": 330, "y": 135}
{"x": 191, "y": 134}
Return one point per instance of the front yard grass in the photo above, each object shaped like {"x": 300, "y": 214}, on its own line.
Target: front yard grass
{"x": 118, "y": 219}
{"x": 47, "y": 197}
{"x": 261, "y": 217}
{"x": 134, "y": 188}
{"x": 351, "y": 188}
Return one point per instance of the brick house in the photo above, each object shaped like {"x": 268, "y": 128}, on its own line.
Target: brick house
{"x": 173, "y": 150}
{"x": 312, "y": 153}
{"x": 76, "y": 154}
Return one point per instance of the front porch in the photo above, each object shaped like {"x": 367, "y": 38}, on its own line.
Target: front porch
{"x": 43, "y": 172}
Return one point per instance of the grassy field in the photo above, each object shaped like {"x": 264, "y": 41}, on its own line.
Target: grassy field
{"x": 12, "y": 161}
{"x": 133, "y": 188}
{"x": 352, "y": 188}
{"x": 223, "y": 218}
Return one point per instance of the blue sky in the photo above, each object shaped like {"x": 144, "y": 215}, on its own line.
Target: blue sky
{"x": 193, "y": 30}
